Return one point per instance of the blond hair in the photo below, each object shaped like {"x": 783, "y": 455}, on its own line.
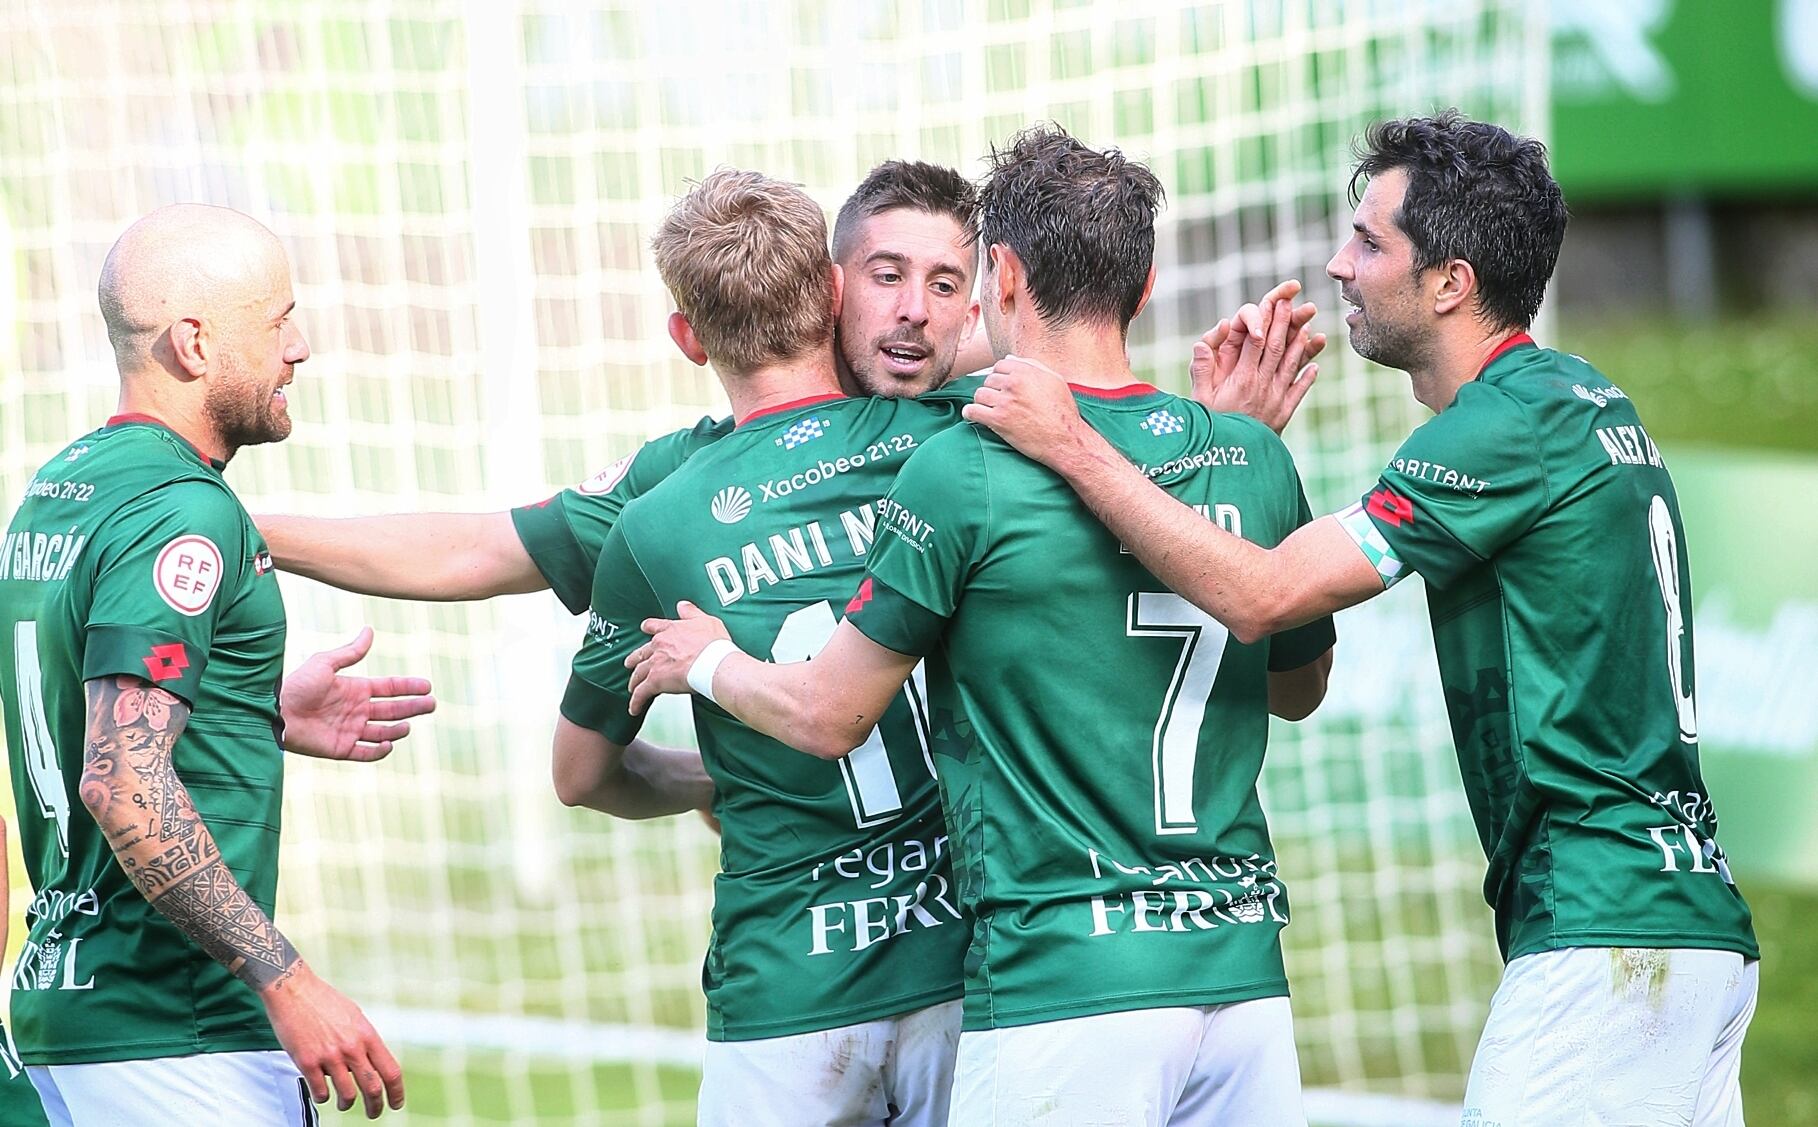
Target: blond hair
{"x": 745, "y": 258}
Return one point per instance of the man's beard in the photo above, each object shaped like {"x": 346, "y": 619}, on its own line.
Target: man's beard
{"x": 244, "y": 413}
{"x": 872, "y": 378}
{"x": 1391, "y": 345}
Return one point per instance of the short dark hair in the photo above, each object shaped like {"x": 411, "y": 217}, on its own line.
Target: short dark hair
{"x": 1082, "y": 221}
{"x": 1479, "y": 193}
{"x": 933, "y": 188}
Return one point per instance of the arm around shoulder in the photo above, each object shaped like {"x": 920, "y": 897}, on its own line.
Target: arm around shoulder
{"x": 443, "y": 557}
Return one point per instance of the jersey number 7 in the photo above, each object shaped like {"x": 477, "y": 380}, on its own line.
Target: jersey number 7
{"x": 1155, "y": 614}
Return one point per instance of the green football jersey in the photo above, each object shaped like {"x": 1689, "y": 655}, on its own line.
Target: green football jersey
{"x": 564, "y": 533}
{"x": 1544, "y": 521}
{"x": 1098, "y": 737}
{"x": 835, "y": 902}
{"x": 130, "y": 555}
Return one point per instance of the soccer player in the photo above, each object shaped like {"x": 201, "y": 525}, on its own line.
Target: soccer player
{"x": 141, "y": 650}
{"x": 903, "y": 240}
{"x": 1544, "y": 521}
{"x": 1099, "y": 739}
{"x": 19, "y": 1103}
{"x": 834, "y": 971}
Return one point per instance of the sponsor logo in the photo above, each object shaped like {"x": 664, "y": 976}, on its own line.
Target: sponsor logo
{"x": 1390, "y": 507}
{"x": 909, "y": 528}
{"x": 76, "y": 453}
{"x": 603, "y": 481}
{"x": 859, "y": 600}
{"x": 731, "y": 504}
{"x": 600, "y": 630}
{"x": 262, "y": 563}
{"x": 166, "y": 662}
{"x": 1161, "y": 421}
{"x": 1600, "y": 396}
{"x": 187, "y": 574}
{"x": 1440, "y": 475}
{"x": 803, "y": 431}
{"x": 1205, "y": 459}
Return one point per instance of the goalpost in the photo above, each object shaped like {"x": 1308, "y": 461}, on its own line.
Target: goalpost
{"x": 467, "y": 191}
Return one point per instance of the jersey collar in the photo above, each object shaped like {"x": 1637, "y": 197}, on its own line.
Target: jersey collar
{"x": 1509, "y": 344}
{"x": 148, "y": 420}
{"x": 789, "y": 406}
{"x": 1127, "y": 391}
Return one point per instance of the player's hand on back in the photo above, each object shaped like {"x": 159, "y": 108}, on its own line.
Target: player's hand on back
{"x": 332, "y": 1043}
{"x": 1258, "y": 362}
{"x": 330, "y": 714}
{"x": 1028, "y": 405}
{"x": 661, "y": 665}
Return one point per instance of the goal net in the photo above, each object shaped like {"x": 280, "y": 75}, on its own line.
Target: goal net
{"x": 467, "y": 191}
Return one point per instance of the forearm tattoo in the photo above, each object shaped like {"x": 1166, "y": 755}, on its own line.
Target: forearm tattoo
{"x": 130, "y": 784}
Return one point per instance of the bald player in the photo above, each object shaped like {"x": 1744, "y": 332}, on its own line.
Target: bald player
{"x": 141, "y": 658}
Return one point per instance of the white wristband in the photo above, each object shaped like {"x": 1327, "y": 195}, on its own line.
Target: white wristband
{"x": 700, "y": 674}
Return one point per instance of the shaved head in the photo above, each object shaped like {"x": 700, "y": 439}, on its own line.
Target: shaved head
{"x": 186, "y": 260}
{"x": 198, "y": 303}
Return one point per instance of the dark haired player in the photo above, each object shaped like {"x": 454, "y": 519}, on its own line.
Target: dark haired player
{"x": 1544, "y": 521}
{"x": 1098, "y": 738}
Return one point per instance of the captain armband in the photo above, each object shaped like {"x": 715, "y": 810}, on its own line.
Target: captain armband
{"x": 1364, "y": 533}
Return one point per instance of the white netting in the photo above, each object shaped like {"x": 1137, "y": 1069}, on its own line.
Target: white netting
{"x": 467, "y": 192}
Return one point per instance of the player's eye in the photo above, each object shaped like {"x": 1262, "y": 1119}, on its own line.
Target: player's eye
{"x": 889, "y": 277}
{"x": 945, "y": 289}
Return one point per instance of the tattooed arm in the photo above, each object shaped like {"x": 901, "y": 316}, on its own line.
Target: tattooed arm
{"x": 130, "y": 785}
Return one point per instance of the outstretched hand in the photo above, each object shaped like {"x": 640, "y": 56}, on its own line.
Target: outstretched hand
{"x": 1257, "y": 363}
{"x": 661, "y": 665}
{"x": 329, "y": 714}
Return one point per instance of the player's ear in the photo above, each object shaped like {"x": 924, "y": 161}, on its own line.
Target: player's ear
{"x": 1457, "y": 284}
{"x": 682, "y": 333}
{"x": 1002, "y": 279}
{"x": 190, "y": 346}
{"x": 1148, "y": 288}
{"x": 839, "y": 290}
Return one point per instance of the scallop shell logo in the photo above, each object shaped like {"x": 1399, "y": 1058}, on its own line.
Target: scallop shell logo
{"x": 731, "y": 504}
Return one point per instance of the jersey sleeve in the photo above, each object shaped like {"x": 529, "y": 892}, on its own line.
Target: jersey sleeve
{"x": 565, "y": 533}
{"x": 931, "y": 530}
{"x": 171, "y": 561}
{"x": 1465, "y": 484}
{"x": 599, "y": 686}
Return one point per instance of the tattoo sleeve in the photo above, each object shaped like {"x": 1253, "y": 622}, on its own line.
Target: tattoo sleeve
{"x": 130, "y": 785}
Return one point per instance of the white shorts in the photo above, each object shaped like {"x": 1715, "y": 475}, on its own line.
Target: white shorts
{"x": 1193, "y": 1065}
{"x": 897, "y": 1070}
{"x": 203, "y": 1090}
{"x": 1613, "y": 1036}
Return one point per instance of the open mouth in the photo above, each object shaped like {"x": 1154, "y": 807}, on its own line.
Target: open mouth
{"x": 902, "y": 357}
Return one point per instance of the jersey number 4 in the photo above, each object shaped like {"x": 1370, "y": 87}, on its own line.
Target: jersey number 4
{"x": 40, "y": 753}
{"x": 1167, "y": 615}
{"x": 870, "y": 779}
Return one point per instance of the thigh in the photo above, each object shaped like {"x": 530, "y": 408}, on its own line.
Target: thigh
{"x": 918, "y": 1074}
{"x": 1125, "y": 1068}
{"x": 829, "y": 1078}
{"x": 1247, "y": 1070}
{"x": 1720, "y": 1096}
{"x": 204, "y": 1090}
{"x": 1600, "y": 1036}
